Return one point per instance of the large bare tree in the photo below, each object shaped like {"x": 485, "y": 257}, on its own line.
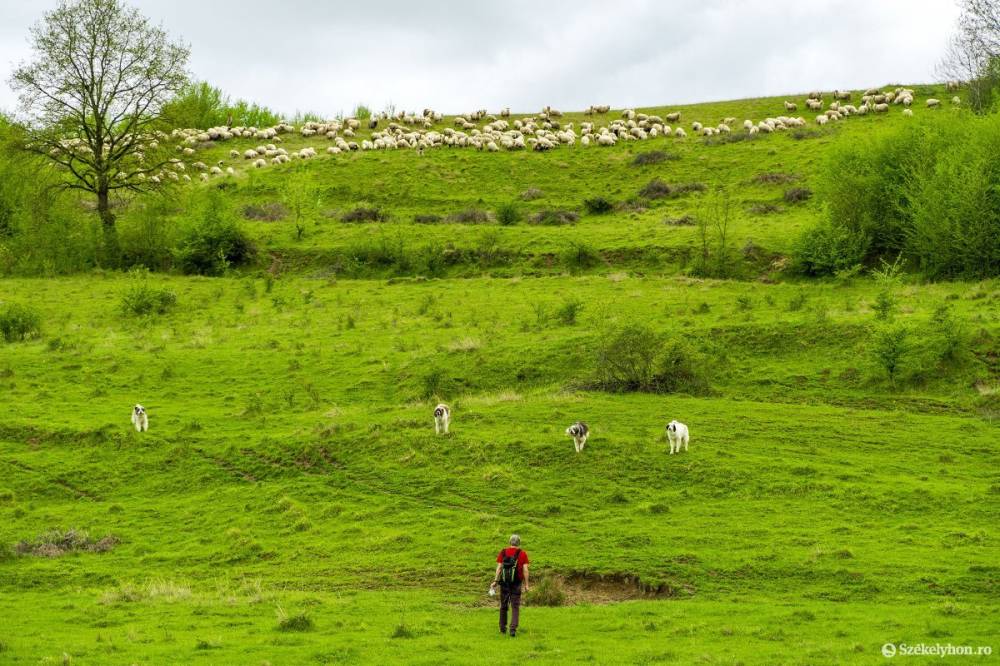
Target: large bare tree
{"x": 92, "y": 94}
{"x": 973, "y": 55}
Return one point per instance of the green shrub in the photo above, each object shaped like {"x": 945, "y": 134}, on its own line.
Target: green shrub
{"x": 680, "y": 368}
{"x": 147, "y": 235}
{"x": 19, "y": 322}
{"x": 637, "y": 359}
{"x": 567, "y": 313}
{"x": 598, "y": 206}
{"x": 508, "y": 214}
{"x": 954, "y": 228}
{"x": 889, "y": 347}
{"x": 828, "y": 248}
{"x": 215, "y": 242}
{"x": 140, "y": 298}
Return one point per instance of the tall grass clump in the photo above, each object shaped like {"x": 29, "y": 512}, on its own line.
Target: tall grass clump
{"x": 19, "y": 322}
{"x": 141, "y": 298}
{"x": 508, "y": 214}
{"x": 926, "y": 191}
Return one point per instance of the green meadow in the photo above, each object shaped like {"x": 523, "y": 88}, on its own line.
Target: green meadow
{"x": 291, "y": 503}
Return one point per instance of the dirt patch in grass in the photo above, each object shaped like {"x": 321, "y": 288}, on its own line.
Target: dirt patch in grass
{"x": 682, "y": 221}
{"x": 470, "y": 216}
{"x": 582, "y": 587}
{"x": 798, "y": 195}
{"x": 363, "y": 214}
{"x": 554, "y": 217}
{"x": 56, "y": 543}
{"x": 270, "y": 212}
{"x": 653, "y": 157}
{"x": 775, "y": 178}
{"x": 657, "y": 189}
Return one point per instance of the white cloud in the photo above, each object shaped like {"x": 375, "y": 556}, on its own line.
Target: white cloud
{"x": 456, "y": 56}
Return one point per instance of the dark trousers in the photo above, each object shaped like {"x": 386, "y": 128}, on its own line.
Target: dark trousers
{"x": 510, "y": 596}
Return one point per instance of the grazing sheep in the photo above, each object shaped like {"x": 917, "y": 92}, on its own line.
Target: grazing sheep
{"x": 579, "y": 432}
{"x": 442, "y": 419}
{"x": 677, "y": 435}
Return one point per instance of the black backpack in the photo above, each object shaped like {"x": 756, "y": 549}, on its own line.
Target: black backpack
{"x": 508, "y": 569}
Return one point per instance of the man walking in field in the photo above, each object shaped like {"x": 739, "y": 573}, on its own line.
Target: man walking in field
{"x": 512, "y": 575}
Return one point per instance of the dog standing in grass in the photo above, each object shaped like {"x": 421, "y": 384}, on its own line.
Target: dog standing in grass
{"x": 140, "y": 419}
{"x": 579, "y": 432}
{"x": 442, "y": 418}
{"x": 677, "y": 435}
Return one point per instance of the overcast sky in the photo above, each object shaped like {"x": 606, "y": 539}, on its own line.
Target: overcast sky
{"x": 327, "y": 56}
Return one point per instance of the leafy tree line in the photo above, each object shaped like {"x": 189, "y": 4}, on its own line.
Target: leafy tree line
{"x": 927, "y": 192}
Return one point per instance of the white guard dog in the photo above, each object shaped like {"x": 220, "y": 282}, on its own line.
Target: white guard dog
{"x": 677, "y": 435}
{"x": 140, "y": 419}
{"x": 442, "y": 418}
{"x": 579, "y": 432}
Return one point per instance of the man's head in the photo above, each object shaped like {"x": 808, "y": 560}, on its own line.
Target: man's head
{"x": 515, "y": 540}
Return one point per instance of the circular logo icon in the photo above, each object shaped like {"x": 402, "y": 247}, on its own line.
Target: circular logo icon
{"x": 889, "y": 650}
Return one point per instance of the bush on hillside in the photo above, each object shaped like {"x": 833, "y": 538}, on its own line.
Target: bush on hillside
{"x": 19, "y": 322}
{"x": 147, "y": 234}
{"x": 598, "y": 206}
{"x": 637, "y": 359}
{"x": 215, "y": 242}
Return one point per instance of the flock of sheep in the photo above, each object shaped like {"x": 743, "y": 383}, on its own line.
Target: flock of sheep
{"x": 483, "y": 131}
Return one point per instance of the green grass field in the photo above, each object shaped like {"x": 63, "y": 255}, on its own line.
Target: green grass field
{"x": 291, "y": 503}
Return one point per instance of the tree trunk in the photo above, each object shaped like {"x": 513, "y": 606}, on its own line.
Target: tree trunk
{"x": 112, "y": 252}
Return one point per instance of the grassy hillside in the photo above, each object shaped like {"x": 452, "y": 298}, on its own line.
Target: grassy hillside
{"x": 291, "y": 503}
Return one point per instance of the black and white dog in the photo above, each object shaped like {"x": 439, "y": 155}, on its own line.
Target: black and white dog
{"x": 579, "y": 432}
{"x": 140, "y": 419}
{"x": 677, "y": 435}
{"x": 442, "y": 417}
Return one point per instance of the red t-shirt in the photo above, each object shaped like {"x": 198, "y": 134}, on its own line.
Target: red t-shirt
{"x": 522, "y": 559}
